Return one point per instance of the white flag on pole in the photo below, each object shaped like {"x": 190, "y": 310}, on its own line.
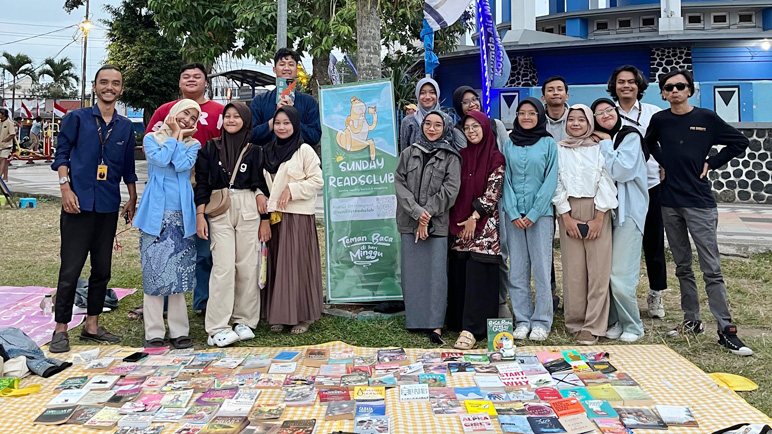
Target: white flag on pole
{"x": 443, "y": 13}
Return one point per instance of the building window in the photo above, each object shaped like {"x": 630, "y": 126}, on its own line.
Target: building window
{"x": 719, "y": 19}
{"x": 746, "y": 19}
{"x": 694, "y": 21}
{"x": 601, "y": 26}
{"x": 549, "y": 29}
{"x": 624, "y": 25}
{"x": 562, "y": 29}
{"x": 648, "y": 23}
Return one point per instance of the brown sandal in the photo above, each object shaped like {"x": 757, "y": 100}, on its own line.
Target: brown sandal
{"x": 465, "y": 341}
{"x": 301, "y": 328}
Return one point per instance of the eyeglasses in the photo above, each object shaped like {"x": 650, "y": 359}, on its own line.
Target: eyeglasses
{"x": 529, "y": 114}
{"x": 467, "y": 102}
{"x": 472, "y": 127}
{"x": 437, "y": 126}
{"x": 670, "y": 87}
{"x": 605, "y": 111}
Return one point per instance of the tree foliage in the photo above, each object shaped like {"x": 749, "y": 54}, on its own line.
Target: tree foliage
{"x": 17, "y": 65}
{"x": 71, "y": 5}
{"x": 61, "y": 72}
{"x": 149, "y": 61}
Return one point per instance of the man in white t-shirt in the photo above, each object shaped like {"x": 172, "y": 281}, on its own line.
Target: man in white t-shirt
{"x": 627, "y": 86}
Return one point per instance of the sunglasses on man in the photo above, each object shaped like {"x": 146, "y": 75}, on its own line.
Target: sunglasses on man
{"x": 670, "y": 87}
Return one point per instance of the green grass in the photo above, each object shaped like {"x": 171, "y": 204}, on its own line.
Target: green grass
{"x": 30, "y": 257}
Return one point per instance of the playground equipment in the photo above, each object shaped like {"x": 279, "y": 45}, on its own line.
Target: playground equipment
{"x": 26, "y": 154}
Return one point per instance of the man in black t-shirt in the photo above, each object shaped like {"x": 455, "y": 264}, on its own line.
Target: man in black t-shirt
{"x": 680, "y": 139}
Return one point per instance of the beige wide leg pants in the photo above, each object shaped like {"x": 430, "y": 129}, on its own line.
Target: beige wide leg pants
{"x": 233, "y": 285}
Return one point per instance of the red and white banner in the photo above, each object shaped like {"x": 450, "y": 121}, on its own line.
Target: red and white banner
{"x": 26, "y": 110}
{"x": 37, "y": 108}
{"x": 59, "y": 110}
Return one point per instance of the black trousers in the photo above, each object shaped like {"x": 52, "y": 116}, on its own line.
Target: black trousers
{"x": 83, "y": 234}
{"x": 473, "y": 294}
{"x": 654, "y": 242}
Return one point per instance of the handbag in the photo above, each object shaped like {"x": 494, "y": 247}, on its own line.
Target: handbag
{"x": 220, "y": 200}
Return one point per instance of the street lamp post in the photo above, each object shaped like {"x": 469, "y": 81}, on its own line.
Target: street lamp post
{"x": 85, "y": 26}
{"x": 281, "y": 24}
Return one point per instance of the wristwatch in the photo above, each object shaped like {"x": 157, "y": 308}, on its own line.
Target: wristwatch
{"x": 64, "y": 180}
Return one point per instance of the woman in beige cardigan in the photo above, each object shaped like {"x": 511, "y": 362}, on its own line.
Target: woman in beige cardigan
{"x": 294, "y": 177}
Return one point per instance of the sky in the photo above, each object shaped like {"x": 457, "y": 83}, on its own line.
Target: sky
{"x": 27, "y": 18}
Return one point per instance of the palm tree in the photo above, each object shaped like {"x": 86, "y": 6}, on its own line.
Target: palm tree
{"x": 17, "y": 65}
{"x": 61, "y": 73}
{"x": 368, "y": 39}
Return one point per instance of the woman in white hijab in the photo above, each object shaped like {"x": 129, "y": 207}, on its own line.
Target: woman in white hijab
{"x": 166, "y": 218}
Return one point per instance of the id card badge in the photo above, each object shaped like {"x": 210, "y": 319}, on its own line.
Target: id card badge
{"x": 102, "y": 172}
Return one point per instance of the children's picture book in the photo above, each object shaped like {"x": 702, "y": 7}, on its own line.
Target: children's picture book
{"x": 372, "y": 425}
{"x": 285, "y": 88}
{"x": 283, "y": 368}
{"x": 468, "y": 393}
{"x": 500, "y": 337}
{"x": 543, "y": 425}
{"x": 228, "y": 362}
{"x": 176, "y": 385}
{"x": 548, "y": 356}
{"x": 201, "y": 384}
{"x": 72, "y": 383}
{"x": 496, "y": 396}
{"x": 597, "y": 408}
{"x": 101, "y": 382}
{"x": 216, "y": 397}
{"x": 515, "y": 424}
{"x": 334, "y": 394}
{"x": 142, "y": 371}
{"x": 316, "y": 357}
{"x": 156, "y": 351}
{"x": 106, "y": 418}
{"x": 433, "y": 380}
{"x": 393, "y": 355}
{"x": 122, "y": 369}
{"x": 136, "y": 430}
{"x": 248, "y": 395}
{"x": 225, "y": 425}
{"x": 476, "y": 423}
{"x": 83, "y": 414}
{"x": 267, "y": 412}
{"x": 676, "y": 415}
{"x": 640, "y": 418}
{"x": 67, "y": 398}
{"x": 55, "y": 416}
{"x": 414, "y": 392}
{"x": 376, "y": 408}
{"x": 340, "y": 410}
{"x": 446, "y": 407}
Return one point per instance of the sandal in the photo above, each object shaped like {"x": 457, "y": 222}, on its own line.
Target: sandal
{"x": 154, "y": 343}
{"x": 436, "y": 338}
{"x": 465, "y": 341}
{"x": 277, "y": 328}
{"x": 301, "y": 328}
{"x": 135, "y": 313}
{"x": 181, "y": 342}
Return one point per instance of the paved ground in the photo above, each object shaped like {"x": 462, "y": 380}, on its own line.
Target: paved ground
{"x": 742, "y": 228}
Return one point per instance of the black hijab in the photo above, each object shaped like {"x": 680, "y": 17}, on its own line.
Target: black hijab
{"x": 522, "y": 137}
{"x": 228, "y": 145}
{"x": 443, "y": 142}
{"x": 458, "y": 98}
{"x": 277, "y": 151}
{"x": 617, "y": 132}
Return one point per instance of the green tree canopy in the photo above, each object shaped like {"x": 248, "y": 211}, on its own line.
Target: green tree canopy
{"x": 17, "y": 65}
{"x": 149, "y": 61}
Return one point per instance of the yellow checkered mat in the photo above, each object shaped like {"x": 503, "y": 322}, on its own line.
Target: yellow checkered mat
{"x": 666, "y": 376}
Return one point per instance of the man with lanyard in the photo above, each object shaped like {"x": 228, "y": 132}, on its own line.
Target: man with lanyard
{"x": 627, "y": 86}
{"x": 95, "y": 150}
{"x": 193, "y": 79}
{"x": 681, "y": 140}
{"x": 554, "y": 93}
{"x": 264, "y": 106}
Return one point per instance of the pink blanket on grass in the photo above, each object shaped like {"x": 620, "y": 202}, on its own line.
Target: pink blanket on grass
{"x": 20, "y": 308}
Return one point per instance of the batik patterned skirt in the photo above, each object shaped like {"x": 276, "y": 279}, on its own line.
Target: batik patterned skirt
{"x": 169, "y": 259}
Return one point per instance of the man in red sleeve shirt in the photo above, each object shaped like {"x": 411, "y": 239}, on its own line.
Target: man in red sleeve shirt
{"x": 193, "y": 86}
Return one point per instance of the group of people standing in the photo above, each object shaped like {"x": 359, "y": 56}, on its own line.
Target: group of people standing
{"x": 231, "y": 186}
{"x": 477, "y": 204}
{"x": 228, "y": 187}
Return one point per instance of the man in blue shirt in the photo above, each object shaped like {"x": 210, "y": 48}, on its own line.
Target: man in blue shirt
{"x": 264, "y": 106}
{"x": 95, "y": 151}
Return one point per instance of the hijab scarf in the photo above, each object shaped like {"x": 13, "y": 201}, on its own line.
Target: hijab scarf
{"x": 443, "y": 141}
{"x": 165, "y": 131}
{"x": 421, "y": 113}
{"x": 585, "y": 140}
{"x": 522, "y": 137}
{"x": 478, "y": 161}
{"x": 280, "y": 150}
{"x": 228, "y": 145}
{"x": 617, "y": 132}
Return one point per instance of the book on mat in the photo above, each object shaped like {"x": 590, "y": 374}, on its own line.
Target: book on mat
{"x": 332, "y": 370}
{"x": 579, "y": 393}
{"x": 446, "y": 407}
{"x": 298, "y": 396}
{"x": 367, "y": 370}
{"x": 261, "y": 428}
{"x": 405, "y": 379}
{"x": 540, "y": 380}
{"x": 487, "y": 382}
{"x": 621, "y": 379}
{"x": 539, "y": 409}
{"x": 225, "y": 425}
{"x": 372, "y": 425}
{"x": 316, "y": 357}
{"x": 442, "y": 393}
{"x": 334, "y": 394}
{"x": 430, "y": 358}
{"x": 176, "y": 385}
{"x": 249, "y": 395}
{"x": 340, "y": 410}
{"x": 567, "y": 381}
{"x": 640, "y": 418}
{"x": 189, "y": 428}
{"x": 101, "y": 382}
{"x": 365, "y": 360}
{"x": 83, "y": 414}
{"x": 222, "y": 382}
{"x": 476, "y": 423}
{"x": 510, "y": 408}
{"x": 576, "y": 423}
{"x": 387, "y": 380}
{"x": 610, "y": 426}
{"x": 460, "y": 368}
{"x": 137, "y": 430}
{"x": 99, "y": 364}
{"x": 567, "y": 406}
{"x": 633, "y": 396}
{"x": 341, "y": 357}
{"x": 72, "y": 383}
{"x": 286, "y": 356}
{"x": 283, "y": 368}
{"x": 299, "y": 380}
{"x": 97, "y": 397}
{"x": 480, "y": 406}
{"x": 326, "y": 381}
{"x": 476, "y": 359}
{"x": 515, "y": 424}
{"x": 497, "y": 396}
{"x": 558, "y": 367}
{"x": 135, "y": 421}
{"x": 353, "y": 380}
{"x": 172, "y": 415}
{"x": 436, "y": 368}
{"x": 271, "y": 381}
{"x": 543, "y": 425}
{"x": 416, "y": 368}
{"x": 122, "y": 369}
{"x": 55, "y": 416}
{"x": 392, "y": 355}
{"x": 414, "y": 392}
{"x": 597, "y": 408}
{"x": 177, "y": 399}
{"x": 433, "y": 380}
{"x": 500, "y": 336}
{"x": 228, "y": 362}
{"x": 602, "y": 366}
{"x": 451, "y": 356}
{"x": 67, "y": 398}
{"x": 156, "y": 382}
{"x": 488, "y": 369}
{"x": 123, "y": 396}
{"x": 676, "y": 415}
{"x": 607, "y": 393}
{"x": 370, "y": 408}
{"x": 367, "y": 393}
{"x": 267, "y": 411}
{"x": 466, "y": 393}
{"x": 106, "y": 418}
{"x": 255, "y": 362}
{"x": 298, "y": 426}
{"x": 234, "y": 408}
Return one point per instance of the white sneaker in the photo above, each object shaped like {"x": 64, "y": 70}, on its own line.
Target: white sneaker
{"x": 654, "y": 301}
{"x": 223, "y": 338}
{"x": 520, "y": 333}
{"x": 614, "y": 332}
{"x": 245, "y": 333}
{"x": 629, "y": 337}
{"x": 539, "y": 334}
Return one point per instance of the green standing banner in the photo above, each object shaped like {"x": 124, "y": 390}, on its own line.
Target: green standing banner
{"x": 359, "y": 156}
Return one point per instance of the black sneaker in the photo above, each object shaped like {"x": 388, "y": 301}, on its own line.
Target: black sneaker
{"x": 60, "y": 343}
{"x": 690, "y": 327}
{"x": 555, "y": 303}
{"x": 729, "y": 340}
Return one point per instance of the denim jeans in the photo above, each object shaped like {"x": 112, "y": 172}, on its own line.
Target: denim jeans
{"x": 531, "y": 252}
{"x": 203, "y": 270}
{"x": 625, "y": 272}
{"x": 16, "y": 343}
